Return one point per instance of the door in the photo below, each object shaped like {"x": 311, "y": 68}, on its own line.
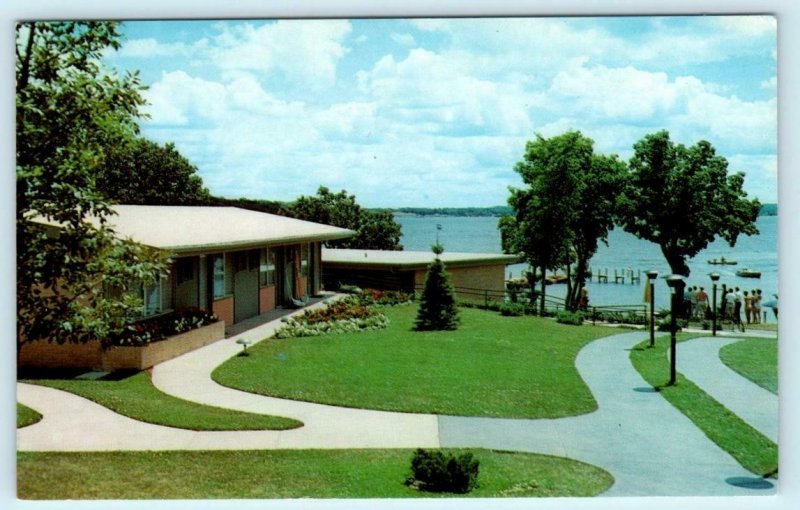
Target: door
{"x": 245, "y": 285}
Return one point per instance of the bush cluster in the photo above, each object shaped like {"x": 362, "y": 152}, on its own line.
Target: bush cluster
{"x": 370, "y": 297}
{"x": 512, "y": 309}
{"x": 571, "y": 318}
{"x": 436, "y": 471}
{"x": 159, "y": 328}
{"x": 665, "y": 324}
{"x": 621, "y": 318}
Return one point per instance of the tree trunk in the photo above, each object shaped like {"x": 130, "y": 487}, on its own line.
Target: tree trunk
{"x": 544, "y": 283}
{"x": 568, "y": 300}
{"x": 676, "y": 261}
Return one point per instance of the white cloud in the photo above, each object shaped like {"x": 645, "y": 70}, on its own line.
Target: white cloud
{"x": 305, "y": 51}
{"x": 403, "y": 39}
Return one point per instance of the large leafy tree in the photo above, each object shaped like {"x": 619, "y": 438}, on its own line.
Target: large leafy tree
{"x": 599, "y": 186}
{"x": 544, "y": 210}
{"x": 67, "y": 106}
{"x": 374, "y": 230}
{"x": 681, "y": 198}
{"x": 139, "y": 171}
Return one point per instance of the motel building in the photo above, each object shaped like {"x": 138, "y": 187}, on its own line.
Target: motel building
{"x": 233, "y": 262}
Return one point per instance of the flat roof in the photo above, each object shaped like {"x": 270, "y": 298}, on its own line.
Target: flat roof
{"x": 192, "y": 229}
{"x": 410, "y": 259}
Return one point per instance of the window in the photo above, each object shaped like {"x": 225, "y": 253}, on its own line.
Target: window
{"x": 304, "y": 259}
{"x": 185, "y": 270}
{"x": 218, "y": 275}
{"x": 267, "y": 268}
{"x": 151, "y": 296}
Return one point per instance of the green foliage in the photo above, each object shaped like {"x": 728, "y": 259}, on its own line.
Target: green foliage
{"x": 138, "y": 171}
{"x": 571, "y": 318}
{"x": 68, "y": 108}
{"x": 682, "y": 198}
{"x": 512, "y": 309}
{"x": 437, "y": 305}
{"x": 374, "y": 230}
{"x": 437, "y": 471}
{"x": 344, "y": 316}
{"x": 568, "y": 205}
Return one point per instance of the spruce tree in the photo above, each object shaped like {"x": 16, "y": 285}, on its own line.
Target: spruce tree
{"x": 437, "y": 307}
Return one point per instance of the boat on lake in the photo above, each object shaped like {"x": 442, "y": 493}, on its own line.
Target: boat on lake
{"x": 556, "y": 278}
{"x": 748, "y": 273}
{"x": 723, "y": 261}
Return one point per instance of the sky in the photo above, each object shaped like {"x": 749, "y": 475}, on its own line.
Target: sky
{"x": 435, "y": 112}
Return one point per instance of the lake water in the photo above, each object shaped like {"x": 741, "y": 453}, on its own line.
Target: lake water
{"x": 480, "y": 235}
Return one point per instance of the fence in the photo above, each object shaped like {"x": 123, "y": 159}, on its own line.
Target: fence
{"x": 493, "y": 298}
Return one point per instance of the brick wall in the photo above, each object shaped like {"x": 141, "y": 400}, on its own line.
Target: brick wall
{"x": 266, "y": 299}
{"x": 223, "y": 308}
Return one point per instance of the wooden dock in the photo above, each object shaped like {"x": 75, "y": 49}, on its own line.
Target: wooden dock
{"x": 620, "y": 276}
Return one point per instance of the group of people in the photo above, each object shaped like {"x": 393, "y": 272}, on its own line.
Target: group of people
{"x": 732, "y": 302}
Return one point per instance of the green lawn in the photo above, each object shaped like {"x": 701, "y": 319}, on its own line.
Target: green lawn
{"x": 516, "y": 367}
{"x": 755, "y": 359}
{"x": 26, "y": 416}
{"x": 136, "y": 397}
{"x": 748, "y": 446}
{"x": 286, "y": 474}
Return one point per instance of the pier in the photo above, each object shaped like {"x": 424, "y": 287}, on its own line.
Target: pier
{"x": 620, "y": 276}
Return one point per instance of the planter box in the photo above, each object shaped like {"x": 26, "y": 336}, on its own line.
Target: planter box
{"x": 140, "y": 358}
{"x": 91, "y": 355}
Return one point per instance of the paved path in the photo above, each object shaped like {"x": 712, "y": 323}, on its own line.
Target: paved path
{"x": 648, "y": 446}
{"x": 699, "y": 361}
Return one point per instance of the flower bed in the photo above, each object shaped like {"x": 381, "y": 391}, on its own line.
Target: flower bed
{"x": 370, "y": 297}
{"x": 344, "y": 316}
{"x": 160, "y": 328}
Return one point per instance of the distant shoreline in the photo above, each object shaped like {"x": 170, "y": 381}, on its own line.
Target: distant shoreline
{"x": 766, "y": 210}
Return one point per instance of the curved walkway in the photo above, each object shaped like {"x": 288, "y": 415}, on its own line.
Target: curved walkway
{"x": 699, "y": 361}
{"x": 648, "y": 446}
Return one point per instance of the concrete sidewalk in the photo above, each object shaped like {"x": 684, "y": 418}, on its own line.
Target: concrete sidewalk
{"x": 699, "y": 361}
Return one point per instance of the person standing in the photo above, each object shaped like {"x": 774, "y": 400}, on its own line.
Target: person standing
{"x": 757, "y": 306}
{"x": 702, "y": 303}
{"x": 738, "y": 298}
{"x": 723, "y": 311}
{"x": 748, "y": 306}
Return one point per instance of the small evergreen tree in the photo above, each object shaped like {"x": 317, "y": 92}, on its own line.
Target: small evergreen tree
{"x": 437, "y": 306}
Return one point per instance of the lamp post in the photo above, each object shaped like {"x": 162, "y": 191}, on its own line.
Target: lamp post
{"x": 676, "y": 284}
{"x": 651, "y": 275}
{"x": 714, "y": 280}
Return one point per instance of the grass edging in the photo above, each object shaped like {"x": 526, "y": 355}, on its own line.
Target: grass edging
{"x": 136, "y": 397}
{"x": 754, "y": 451}
{"x": 267, "y": 474}
{"x": 755, "y": 359}
{"x": 26, "y": 416}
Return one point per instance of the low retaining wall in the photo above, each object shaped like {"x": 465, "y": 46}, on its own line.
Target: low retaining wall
{"x": 92, "y": 356}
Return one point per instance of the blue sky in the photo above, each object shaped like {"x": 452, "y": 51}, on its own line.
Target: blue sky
{"x": 435, "y": 112}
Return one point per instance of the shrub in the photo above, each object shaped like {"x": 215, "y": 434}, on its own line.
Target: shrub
{"x": 664, "y": 324}
{"x": 436, "y": 471}
{"x": 370, "y": 297}
{"x": 349, "y": 289}
{"x": 571, "y": 318}
{"x": 437, "y": 305}
{"x": 512, "y": 309}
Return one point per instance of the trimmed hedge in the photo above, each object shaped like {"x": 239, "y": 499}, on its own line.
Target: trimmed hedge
{"x": 436, "y": 471}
